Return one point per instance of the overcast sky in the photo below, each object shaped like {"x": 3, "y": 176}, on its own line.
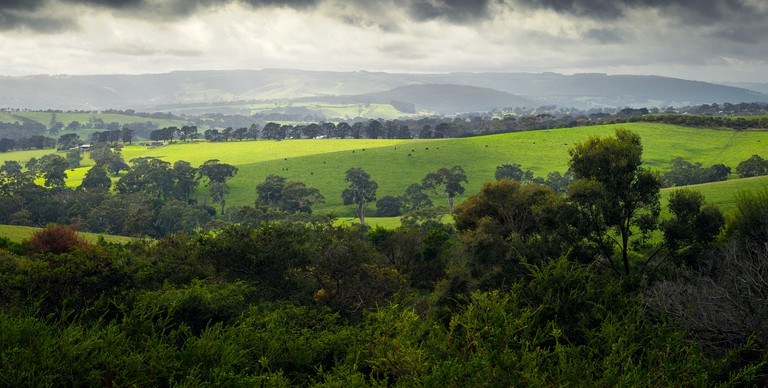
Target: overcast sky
{"x": 710, "y": 40}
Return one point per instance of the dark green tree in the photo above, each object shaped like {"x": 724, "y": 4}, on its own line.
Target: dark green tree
{"x": 184, "y": 178}
{"x": 218, "y": 192}
{"x": 217, "y": 174}
{"x": 96, "y": 179}
{"x": 361, "y": 190}
{"x": 150, "y": 176}
{"x": 272, "y": 131}
{"x": 693, "y": 226}
{"x": 269, "y": 193}
{"x": 389, "y": 206}
{"x": 415, "y": 198}
{"x": 754, "y": 166}
{"x": 448, "y": 180}
{"x": 507, "y": 224}
{"x": 111, "y": 161}
{"x": 216, "y": 171}
{"x": 343, "y": 130}
{"x": 74, "y": 157}
{"x": 297, "y": 197}
{"x": 374, "y": 129}
{"x": 513, "y": 171}
{"x": 614, "y": 193}
{"x": 13, "y": 178}
{"x": 54, "y": 170}
{"x": 559, "y": 182}
{"x": 69, "y": 140}
{"x": 126, "y": 135}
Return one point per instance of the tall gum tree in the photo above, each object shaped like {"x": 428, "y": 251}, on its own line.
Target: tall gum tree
{"x": 361, "y": 190}
{"x": 614, "y": 193}
{"x": 447, "y": 179}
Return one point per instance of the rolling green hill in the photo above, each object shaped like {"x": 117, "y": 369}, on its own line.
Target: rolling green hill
{"x": 322, "y": 163}
{"x": 724, "y": 193}
{"x": 394, "y": 164}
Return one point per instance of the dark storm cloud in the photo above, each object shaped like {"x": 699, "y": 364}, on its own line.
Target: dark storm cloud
{"x": 116, "y": 4}
{"x": 281, "y": 3}
{"x": 28, "y": 5}
{"x": 744, "y": 34}
{"x": 691, "y": 10}
{"x": 10, "y": 21}
{"x": 27, "y": 13}
{"x": 453, "y": 10}
{"x": 183, "y": 8}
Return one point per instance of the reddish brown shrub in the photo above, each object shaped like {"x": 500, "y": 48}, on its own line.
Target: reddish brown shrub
{"x": 56, "y": 239}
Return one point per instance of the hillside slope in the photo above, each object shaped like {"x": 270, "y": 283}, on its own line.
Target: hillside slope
{"x": 440, "y": 98}
{"x": 144, "y": 92}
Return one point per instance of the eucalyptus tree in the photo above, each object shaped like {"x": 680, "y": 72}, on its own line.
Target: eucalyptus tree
{"x": 361, "y": 191}
{"x": 616, "y": 196}
{"x": 448, "y": 180}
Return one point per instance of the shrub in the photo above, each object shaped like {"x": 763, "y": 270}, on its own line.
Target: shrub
{"x": 56, "y": 239}
{"x": 750, "y": 221}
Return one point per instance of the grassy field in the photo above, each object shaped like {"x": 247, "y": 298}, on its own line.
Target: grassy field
{"x": 394, "y": 164}
{"x": 20, "y": 233}
{"x": 723, "y": 194}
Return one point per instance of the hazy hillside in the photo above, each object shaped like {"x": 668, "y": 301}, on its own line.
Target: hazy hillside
{"x": 441, "y": 98}
{"x": 148, "y": 91}
{"x": 756, "y": 86}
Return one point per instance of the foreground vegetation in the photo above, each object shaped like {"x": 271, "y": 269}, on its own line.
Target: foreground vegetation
{"x": 527, "y": 287}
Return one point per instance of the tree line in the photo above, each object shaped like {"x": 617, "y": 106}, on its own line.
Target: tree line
{"x": 29, "y": 134}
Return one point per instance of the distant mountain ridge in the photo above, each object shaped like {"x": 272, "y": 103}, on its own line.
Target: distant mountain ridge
{"x": 438, "y": 98}
{"x": 443, "y": 93}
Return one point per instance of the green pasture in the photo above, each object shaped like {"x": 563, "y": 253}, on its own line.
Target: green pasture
{"x": 24, "y": 156}
{"x": 539, "y": 151}
{"x": 20, "y": 233}
{"x": 394, "y": 164}
{"x": 723, "y": 194}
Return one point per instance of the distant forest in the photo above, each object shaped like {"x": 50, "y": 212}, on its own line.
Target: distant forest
{"x": 25, "y": 134}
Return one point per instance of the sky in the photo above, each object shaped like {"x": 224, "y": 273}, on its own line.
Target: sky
{"x": 708, "y": 40}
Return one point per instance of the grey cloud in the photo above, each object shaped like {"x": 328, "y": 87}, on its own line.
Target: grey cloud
{"x": 742, "y": 34}
{"x": 453, "y": 10}
{"x": 690, "y": 10}
{"x": 362, "y": 21}
{"x": 116, "y": 4}
{"x": 457, "y": 11}
{"x": 403, "y": 51}
{"x": 606, "y": 35}
{"x": 183, "y": 8}
{"x": 27, "y": 5}
{"x": 24, "y": 14}
{"x": 20, "y": 21}
{"x": 282, "y": 3}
